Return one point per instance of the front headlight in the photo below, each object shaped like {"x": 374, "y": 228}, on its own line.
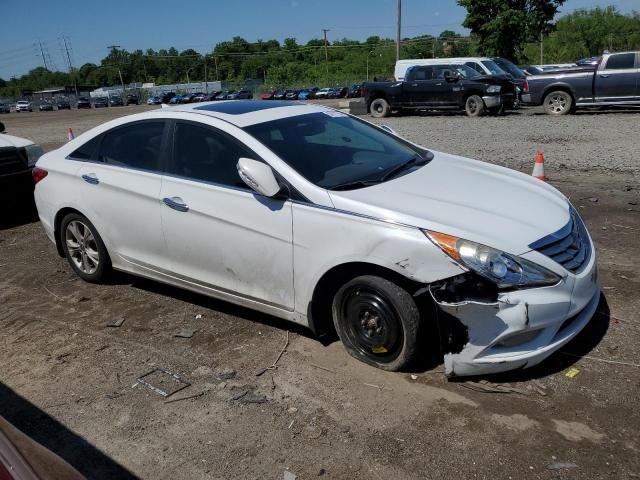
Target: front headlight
{"x": 503, "y": 269}
{"x": 494, "y": 89}
{"x": 34, "y": 152}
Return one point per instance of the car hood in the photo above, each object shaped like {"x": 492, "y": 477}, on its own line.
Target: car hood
{"x": 11, "y": 141}
{"x": 466, "y": 198}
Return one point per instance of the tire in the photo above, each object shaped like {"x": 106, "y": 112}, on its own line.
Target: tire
{"x": 377, "y": 321}
{"x": 558, "y": 102}
{"x": 84, "y": 249}
{"x": 379, "y": 108}
{"x": 474, "y": 106}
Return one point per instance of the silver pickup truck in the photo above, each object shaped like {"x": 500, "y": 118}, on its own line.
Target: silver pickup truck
{"x": 615, "y": 81}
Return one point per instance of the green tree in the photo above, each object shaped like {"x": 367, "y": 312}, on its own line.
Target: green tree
{"x": 503, "y": 27}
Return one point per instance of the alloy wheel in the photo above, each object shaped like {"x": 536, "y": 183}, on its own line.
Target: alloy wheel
{"x": 82, "y": 247}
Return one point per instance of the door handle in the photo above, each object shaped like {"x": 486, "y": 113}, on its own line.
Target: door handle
{"x": 91, "y": 178}
{"x": 176, "y": 204}
{"x": 604, "y": 75}
{"x": 414, "y": 84}
{"x": 438, "y": 84}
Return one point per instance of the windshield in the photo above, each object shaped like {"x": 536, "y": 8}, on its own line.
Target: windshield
{"x": 335, "y": 151}
{"x": 493, "y": 67}
{"x": 509, "y": 67}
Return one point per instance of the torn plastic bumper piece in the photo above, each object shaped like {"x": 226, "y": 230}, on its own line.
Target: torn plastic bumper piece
{"x": 517, "y": 329}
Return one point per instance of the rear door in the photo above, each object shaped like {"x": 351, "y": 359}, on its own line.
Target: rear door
{"x": 220, "y": 234}
{"x": 120, "y": 187}
{"x": 617, "y": 79}
{"x": 421, "y": 88}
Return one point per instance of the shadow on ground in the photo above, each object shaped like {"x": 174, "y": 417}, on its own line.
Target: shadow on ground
{"x": 48, "y": 432}
{"x": 19, "y": 210}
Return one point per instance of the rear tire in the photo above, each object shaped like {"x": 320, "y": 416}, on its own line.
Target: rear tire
{"x": 558, "y": 102}
{"x": 377, "y": 321}
{"x": 474, "y": 106}
{"x": 379, "y": 108}
{"x": 84, "y": 249}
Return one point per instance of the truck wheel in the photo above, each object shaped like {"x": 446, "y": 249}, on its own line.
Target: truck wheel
{"x": 558, "y": 102}
{"x": 379, "y": 108}
{"x": 474, "y": 106}
{"x": 377, "y": 321}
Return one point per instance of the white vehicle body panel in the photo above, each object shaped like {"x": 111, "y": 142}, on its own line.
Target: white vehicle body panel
{"x": 270, "y": 254}
{"x": 11, "y": 141}
{"x": 403, "y": 65}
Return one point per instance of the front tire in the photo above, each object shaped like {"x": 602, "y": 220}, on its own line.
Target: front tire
{"x": 474, "y": 106}
{"x": 84, "y": 249}
{"x": 377, "y": 321}
{"x": 379, "y": 108}
{"x": 558, "y": 102}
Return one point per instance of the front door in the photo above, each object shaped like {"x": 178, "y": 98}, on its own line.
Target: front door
{"x": 618, "y": 80}
{"x": 220, "y": 234}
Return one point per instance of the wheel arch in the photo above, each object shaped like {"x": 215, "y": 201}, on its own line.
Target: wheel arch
{"x": 319, "y": 314}
{"x": 563, "y": 87}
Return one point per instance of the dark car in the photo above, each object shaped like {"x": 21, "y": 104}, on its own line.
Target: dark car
{"x": 532, "y": 70}
{"x": 83, "y": 102}
{"x": 63, "y": 104}
{"x": 187, "y": 98}
{"x": 132, "y": 99}
{"x": 223, "y": 95}
{"x": 5, "y": 107}
{"x": 155, "y": 100}
{"x": 292, "y": 94}
{"x": 212, "y": 96}
{"x": 199, "y": 97}
{"x": 16, "y": 165}
{"x": 441, "y": 87}
{"x": 116, "y": 101}
{"x": 166, "y": 97}
{"x": 175, "y": 100}
{"x": 341, "y": 92}
{"x": 45, "y": 107}
{"x": 100, "y": 102}
{"x": 279, "y": 94}
{"x": 268, "y": 95}
{"x": 588, "y": 62}
{"x": 355, "y": 91}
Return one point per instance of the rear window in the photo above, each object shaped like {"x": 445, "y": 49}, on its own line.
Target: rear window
{"x": 621, "y": 61}
{"x": 86, "y": 151}
{"x": 135, "y": 146}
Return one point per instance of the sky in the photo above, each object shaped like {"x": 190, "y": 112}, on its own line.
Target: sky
{"x": 90, "y": 26}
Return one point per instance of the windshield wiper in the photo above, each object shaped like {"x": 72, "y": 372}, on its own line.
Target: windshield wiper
{"x": 352, "y": 185}
{"x": 403, "y": 166}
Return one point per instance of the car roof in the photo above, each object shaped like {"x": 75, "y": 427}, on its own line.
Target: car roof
{"x": 243, "y": 113}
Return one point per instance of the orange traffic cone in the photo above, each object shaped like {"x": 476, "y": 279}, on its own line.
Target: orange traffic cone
{"x": 70, "y": 135}
{"x": 538, "y": 167}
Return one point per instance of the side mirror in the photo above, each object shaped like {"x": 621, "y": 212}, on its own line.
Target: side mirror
{"x": 258, "y": 176}
{"x": 2, "y": 127}
{"x": 389, "y": 129}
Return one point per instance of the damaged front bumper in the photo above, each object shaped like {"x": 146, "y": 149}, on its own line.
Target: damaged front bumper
{"x": 522, "y": 327}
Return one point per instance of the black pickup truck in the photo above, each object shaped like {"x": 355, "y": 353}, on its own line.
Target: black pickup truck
{"x": 441, "y": 87}
{"x": 614, "y": 82}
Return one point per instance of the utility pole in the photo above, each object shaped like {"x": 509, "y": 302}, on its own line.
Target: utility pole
{"x": 66, "y": 48}
{"x": 215, "y": 59}
{"x": 398, "y": 30}
{"x": 44, "y": 61}
{"x": 541, "y": 50}
{"x": 206, "y": 84}
{"x": 115, "y": 49}
{"x": 326, "y": 51}
{"x": 433, "y": 47}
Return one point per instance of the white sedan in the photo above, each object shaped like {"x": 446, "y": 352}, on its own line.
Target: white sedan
{"x": 325, "y": 220}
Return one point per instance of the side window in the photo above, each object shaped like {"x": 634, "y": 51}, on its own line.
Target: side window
{"x": 623, "y": 60}
{"x": 475, "y": 66}
{"x": 202, "y": 153}
{"x": 421, "y": 73}
{"x": 86, "y": 151}
{"x": 134, "y": 146}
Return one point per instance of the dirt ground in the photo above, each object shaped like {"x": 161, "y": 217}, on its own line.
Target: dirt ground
{"x": 70, "y": 380}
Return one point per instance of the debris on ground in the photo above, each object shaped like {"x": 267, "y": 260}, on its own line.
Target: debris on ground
{"x": 185, "y": 332}
{"x": 488, "y": 387}
{"x": 163, "y": 381}
{"x": 289, "y": 476}
{"x": 196, "y": 395}
{"x": 116, "y": 322}
{"x": 274, "y": 365}
{"x": 312, "y": 432}
{"x": 572, "y": 372}
{"x": 226, "y": 374}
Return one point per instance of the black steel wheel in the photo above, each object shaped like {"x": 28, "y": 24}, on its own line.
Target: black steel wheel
{"x": 377, "y": 321}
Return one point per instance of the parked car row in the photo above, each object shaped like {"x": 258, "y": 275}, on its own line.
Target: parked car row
{"x": 313, "y": 93}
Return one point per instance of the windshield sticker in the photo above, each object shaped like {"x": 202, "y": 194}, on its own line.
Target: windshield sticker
{"x": 333, "y": 113}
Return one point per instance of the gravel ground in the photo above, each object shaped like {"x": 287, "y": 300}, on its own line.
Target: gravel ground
{"x": 70, "y": 381}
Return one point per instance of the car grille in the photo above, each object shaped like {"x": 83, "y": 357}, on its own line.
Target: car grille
{"x": 569, "y": 246}
{"x": 11, "y": 161}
